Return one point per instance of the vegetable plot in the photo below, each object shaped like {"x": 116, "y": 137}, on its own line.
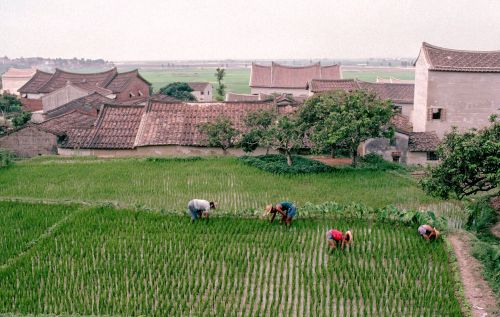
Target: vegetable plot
{"x": 110, "y": 262}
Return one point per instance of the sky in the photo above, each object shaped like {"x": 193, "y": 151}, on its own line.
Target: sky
{"x": 243, "y": 29}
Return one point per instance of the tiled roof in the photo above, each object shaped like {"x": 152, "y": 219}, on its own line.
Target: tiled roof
{"x": 121, "y": 80}
{"x": 402, "y": 123}
{"x": 398, "y": 93}
{"x": 115, "y": 128}
{"x": 19, "y": 73}
{"x": 320, "y": 85}
{"x": 232, "y": 97}
{"x": 60, "y": 78}
{"x": 105, "y": 83}
{"x": 88, "y": 104}
{"x": 31, "y": 105}
{"x": 423, "y": 141}
{"x": 282, "y": 76}
{"x": 444, "y": 59}
{"x": 177, "y": 124}
{"x": 35, "y": 83}
{"x": 164, "y": 98}
{"x": 70, "y": 120}
{"x": 94, "y": 88}
{"x": 198, "y": 86}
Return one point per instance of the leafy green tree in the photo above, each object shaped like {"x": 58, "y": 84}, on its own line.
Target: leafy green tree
{"x": 178, "y": 90}
{"x": 220, "y": 133}
{"x": 286, "y": 136}
{"x": 21, "y": 119}
{"x": 221, "y": 88}
{"x": 345, "y": 119}
{"x": 9, "y": 103}
{"x": 470, "y": 163}
{"x": 260, "y": 124}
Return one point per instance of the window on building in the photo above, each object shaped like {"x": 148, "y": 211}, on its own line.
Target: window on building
{"x": 432, "y": 156}
{"x": 140, "y": 93}
{"x": 398, "y": 109}
{"x": 396, "y": 156}
{"x": 131, "y": 95}
{"x": 437, "y": 113}
{"x": 201, "y": 92}
{"x": 208, "y": 92}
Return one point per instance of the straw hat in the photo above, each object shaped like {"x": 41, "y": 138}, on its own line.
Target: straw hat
{"x": 349, "y": 233}
{"x": 437, "y": 233}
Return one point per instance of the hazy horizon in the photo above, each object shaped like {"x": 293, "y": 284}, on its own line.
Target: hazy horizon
{"x": 243, "y": 30}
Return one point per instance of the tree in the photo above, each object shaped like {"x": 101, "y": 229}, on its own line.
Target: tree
{"x": 286, "y": 136}
{"x": 470, "y": 163}
{"x": 220, "y": 133}
{"x": 260, "y": 126}
{"x": 9, "y": 103}
{"x": 21, "y": 119}
{"x": 345, "y": 119}
{"x": 178, "y": 90}
{"x": 221, "y": 88}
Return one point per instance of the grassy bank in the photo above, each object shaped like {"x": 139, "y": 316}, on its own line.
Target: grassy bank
{"x": 171, "y": 184}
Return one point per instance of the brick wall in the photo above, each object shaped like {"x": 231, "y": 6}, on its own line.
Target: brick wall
{"x": 133, "y": 87}
{"x": 29, "y": 142}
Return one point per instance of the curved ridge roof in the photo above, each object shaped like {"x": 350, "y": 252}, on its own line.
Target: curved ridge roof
{"x": 445, "y": 59}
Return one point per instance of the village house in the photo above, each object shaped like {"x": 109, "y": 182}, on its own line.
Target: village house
{"x": 276, "y": 78}
{"x": 15, "y": 78}
{"x": 44, "y": 138}
{"x": 406, "y": 147}
{"x": 201, "y": 91}
{"x": 455, "y": 88}
{"x": 160, "y": 128}
{"x": 233, "y": 97}
{"x": 118, "y": 86}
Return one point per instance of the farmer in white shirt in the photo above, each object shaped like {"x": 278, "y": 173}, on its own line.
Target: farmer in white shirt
{"x": 199, "y": 208}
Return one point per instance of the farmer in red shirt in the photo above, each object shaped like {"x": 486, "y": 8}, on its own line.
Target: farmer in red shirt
{"x": 336, "y": 237}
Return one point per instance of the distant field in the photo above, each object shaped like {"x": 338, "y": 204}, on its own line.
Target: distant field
{"x": 236, "y": 79}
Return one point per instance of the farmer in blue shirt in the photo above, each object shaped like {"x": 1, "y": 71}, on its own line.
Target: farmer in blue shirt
{"x": 286, "y": 209}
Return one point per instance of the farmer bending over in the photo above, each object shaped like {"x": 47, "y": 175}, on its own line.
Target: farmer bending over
{"x": 199, "y": 208}
{"x": 428, "y": 233}
{"x": 336, "y": 237}
{"x": 286, "y": 209}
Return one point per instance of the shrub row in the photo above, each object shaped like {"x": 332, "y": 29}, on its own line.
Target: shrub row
{"x": 277, "y": 164}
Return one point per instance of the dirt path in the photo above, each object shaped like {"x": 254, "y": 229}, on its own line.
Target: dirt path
{"x": 476, "y": 289}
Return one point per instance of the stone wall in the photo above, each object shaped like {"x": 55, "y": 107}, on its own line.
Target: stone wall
{"x": 419, "y": 114}
{"x": 166, "y": 150}
{"x": 382, "y": 146}
{"x": 29, "y": 142}
{"x": 468, "y": 100}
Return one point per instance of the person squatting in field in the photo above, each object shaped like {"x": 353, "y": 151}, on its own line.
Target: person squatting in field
{"x": 199, "y": 208}
{"x": 428, "y": 233}
{"x": 336, "y": 237}
{"x": 286, "y": 209}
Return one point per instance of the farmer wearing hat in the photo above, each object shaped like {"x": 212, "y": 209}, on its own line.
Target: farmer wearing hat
{"x": 286, "y": 209}
{"x": 428, "y": 233}
{"x": 199, "y": 208}
{"x": 336, "y": 237}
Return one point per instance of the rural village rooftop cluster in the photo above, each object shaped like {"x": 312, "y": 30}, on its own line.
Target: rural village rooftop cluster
{"x": 113, "y": 114}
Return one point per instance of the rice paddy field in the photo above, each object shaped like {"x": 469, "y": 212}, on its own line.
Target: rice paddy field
{"x": 64, "y": 251}
{"x": 103, "y": 261}
{"x": 171, "y": 183}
